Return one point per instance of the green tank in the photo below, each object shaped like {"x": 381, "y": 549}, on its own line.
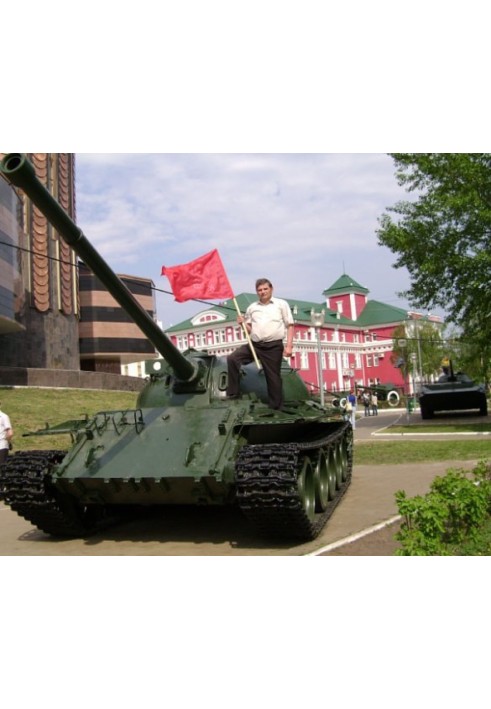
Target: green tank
{"x": 452, "y": 393}
{"x": 184, "y": 443}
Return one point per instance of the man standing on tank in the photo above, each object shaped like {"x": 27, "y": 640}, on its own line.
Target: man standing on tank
{"x": 268, "y": 321}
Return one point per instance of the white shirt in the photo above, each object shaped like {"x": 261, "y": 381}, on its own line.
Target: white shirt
{"x": 4, "y": 426}
{"x": 269, "y": 321}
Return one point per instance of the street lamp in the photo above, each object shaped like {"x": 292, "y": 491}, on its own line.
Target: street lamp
{"x": 317, "y": 320}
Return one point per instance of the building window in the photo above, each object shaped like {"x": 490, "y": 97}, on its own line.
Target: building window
{"x": 369, "y": 360}
{"x": 332, "y": 360}
{"x": 357, "y": 361}
{"x": 304, "y": 360}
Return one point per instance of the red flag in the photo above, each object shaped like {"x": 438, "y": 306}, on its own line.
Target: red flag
{"x": 204, "y": 277}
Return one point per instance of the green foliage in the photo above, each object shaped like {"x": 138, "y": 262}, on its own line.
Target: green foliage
{"x": 478, "y": 545}
{"x": 454, "y": 512}
{"x": 474, "y": 357}
{"x": 424, "y": 342}
{"x": 443, "y": 237}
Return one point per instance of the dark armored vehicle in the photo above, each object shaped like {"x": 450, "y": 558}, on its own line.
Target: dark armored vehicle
{"x": 452, "y": 393}
{"x": 183, "y": 443}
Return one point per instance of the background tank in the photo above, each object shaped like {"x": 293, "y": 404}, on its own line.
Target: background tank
{"x": 452, "y": 393}
{"x": 183, "y": 443}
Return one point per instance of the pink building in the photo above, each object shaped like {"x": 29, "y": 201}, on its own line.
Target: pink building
{"x": 355, "y": 339}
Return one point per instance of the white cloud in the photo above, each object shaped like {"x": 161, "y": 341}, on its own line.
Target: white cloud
{"x": 298, "y": 219}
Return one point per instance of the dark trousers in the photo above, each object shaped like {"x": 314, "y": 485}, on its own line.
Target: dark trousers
{"x": 270, "y": 354}
{"x": 3, "y": 455}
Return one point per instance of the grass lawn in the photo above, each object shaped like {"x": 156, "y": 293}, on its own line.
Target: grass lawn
{"x": 483, "y": 427}
{"x": 416, "y": 451}
{"x": 31, "y": 409}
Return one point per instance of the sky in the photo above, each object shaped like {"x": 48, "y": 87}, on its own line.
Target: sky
{"x": 301, "y": 220}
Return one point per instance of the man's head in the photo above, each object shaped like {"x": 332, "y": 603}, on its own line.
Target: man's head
{"x": 264, "y": 289}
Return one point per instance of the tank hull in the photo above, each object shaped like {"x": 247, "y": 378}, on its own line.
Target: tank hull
{"x": 452, "y": 397}
{"x": 286, "y": 470}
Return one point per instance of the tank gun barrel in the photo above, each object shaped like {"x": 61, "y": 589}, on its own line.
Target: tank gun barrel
{"x": 19, "y": 172}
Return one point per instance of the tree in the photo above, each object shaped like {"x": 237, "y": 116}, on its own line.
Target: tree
{"x": 443, "y": 236}
{"x": 471, "y": 356}
{"x": 419, "y": 347}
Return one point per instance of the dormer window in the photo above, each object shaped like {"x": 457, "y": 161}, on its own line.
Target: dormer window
{"x": 210, "y": 316}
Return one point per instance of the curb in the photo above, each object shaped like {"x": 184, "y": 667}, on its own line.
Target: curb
{"x": 455, "y": 433}
{"x": 355, "y": 537}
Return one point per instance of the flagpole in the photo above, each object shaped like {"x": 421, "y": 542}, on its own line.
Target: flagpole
{"x": 246, "y": 332}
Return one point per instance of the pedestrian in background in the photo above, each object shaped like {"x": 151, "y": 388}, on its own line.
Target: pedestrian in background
{"x": 351, "y": 402}
{"x": 6, "y": 434}
{"x": 366, "y": 402}
{"x": 374, "y": 404}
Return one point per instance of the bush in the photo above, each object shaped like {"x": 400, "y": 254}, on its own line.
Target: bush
{"x": 454, "y": 512}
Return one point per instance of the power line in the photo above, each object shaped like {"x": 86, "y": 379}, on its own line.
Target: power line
{"x": 153, "y": 287}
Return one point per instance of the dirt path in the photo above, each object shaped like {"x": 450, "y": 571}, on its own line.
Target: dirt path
{"x": 225, "y": 532}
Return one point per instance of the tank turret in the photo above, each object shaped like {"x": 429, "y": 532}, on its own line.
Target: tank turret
{"x": 184, "y": 443}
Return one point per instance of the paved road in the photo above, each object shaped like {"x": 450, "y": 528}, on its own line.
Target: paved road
{"x": 375, "y": 428}
{"x": 223, "y": 532}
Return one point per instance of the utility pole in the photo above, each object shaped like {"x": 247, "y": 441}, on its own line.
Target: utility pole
{"x": 317, "y": 320}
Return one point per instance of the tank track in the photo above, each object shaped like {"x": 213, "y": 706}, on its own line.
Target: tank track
{"x": 25, "y": 486}
{"x": 267, "y": 489}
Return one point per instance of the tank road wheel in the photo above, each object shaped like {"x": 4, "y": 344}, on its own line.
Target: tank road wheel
{"x": 277, "y": 484}
{"x": 341, "y": 457}
{"x": 331, "y": 473}
{"x": 306, "y": 487}
{"x": 321, "y": 477}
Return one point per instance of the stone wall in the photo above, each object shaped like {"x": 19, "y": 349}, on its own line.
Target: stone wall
{"x": 68, "y": 379}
